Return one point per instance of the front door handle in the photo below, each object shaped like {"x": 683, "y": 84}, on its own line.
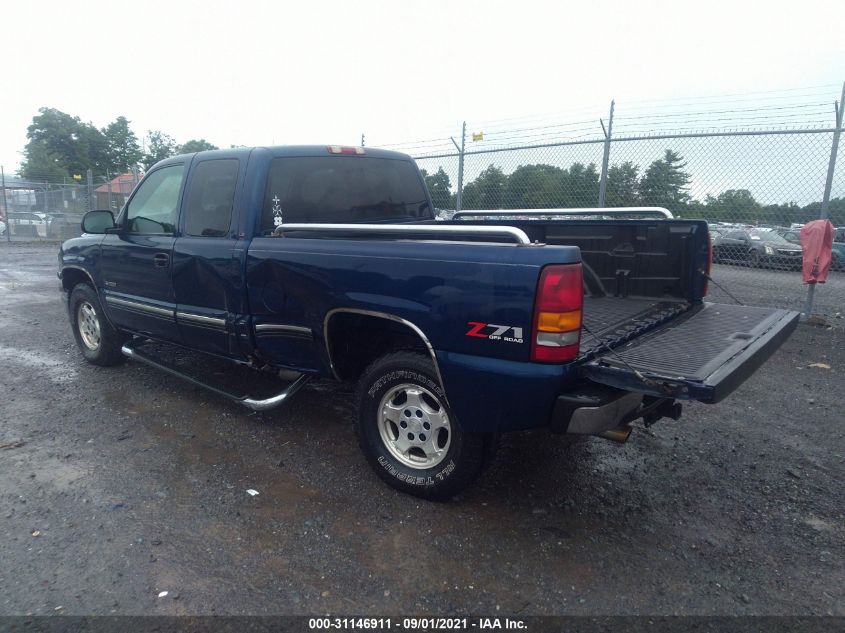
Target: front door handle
{"x": 160, "y": 260}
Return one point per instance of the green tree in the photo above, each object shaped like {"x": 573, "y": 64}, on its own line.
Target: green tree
{"x": 123, "y": 149}
{"x": 736, "y": 205}
{"x": 581, "y": 187}
{"x": 535, "y": 187}
{"x": 781, "y": 214}
{"x": 623, "y": 185}
{"x": 40, "y": 163}
{"x": 440, "y": 188}
{"x": 61, "y": 144}
{"x": 486, "y": 191}
{"x": 664, "y": 183}
{"x": 195, "y": 145}
{"x": 159, "y": 147}
{"x": 835, "y": 212}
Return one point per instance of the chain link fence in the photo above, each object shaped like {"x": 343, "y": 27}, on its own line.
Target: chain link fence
{"x": 755, "y": 188}
{"x": 45, "y": 210}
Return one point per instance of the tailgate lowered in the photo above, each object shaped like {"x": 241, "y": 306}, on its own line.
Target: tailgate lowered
{"x": 702, "y": 355}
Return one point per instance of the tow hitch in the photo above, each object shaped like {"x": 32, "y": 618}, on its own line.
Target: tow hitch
{"x": 658, "y": 409}
{"x": 650, "y": 412}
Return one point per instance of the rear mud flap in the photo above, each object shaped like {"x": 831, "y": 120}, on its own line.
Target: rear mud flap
{"x": 702, "y": 355}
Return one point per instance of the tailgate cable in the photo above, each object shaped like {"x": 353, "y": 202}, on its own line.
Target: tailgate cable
{"x": 719, "y": 286}
{"x": 648, "y": 382}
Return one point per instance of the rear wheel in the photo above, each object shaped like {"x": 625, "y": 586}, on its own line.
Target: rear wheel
{"x": 408, "y": 433}
{"x": 99, "y": 342}
{"x": 754, "y": 259}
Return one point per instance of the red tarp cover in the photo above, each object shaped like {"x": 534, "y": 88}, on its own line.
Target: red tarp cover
{"x": 817, "y": 242}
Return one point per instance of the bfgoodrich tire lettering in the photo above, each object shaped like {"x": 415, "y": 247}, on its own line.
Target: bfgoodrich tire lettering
{"x": 405, "y": 385}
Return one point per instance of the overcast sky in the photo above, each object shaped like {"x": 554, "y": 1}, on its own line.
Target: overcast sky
{"x": 256, "y": 73}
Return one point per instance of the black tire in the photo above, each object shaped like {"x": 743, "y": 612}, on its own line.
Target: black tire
{"x": 754, "y": 259}
{"x": 465, "y": 454}
{"x": 106, "y": 352}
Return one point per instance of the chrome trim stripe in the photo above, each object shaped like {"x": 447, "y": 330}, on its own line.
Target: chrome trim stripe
{"x": 284, "y": 329}
{"x": 141, "y": 307}
{"x": 199, "y": 319}
{"x": 518, "y": 235}
{"x": 656, "y": 211}
{"x": 390, "y": 317}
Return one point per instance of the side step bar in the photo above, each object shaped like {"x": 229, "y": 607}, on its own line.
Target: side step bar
{"x": 131, "y": 350}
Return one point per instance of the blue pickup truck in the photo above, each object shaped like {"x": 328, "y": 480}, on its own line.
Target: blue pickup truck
{"x": 331, "y": 261}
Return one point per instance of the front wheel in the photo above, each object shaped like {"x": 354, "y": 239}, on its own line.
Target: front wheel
{"x": 99, "y": 342}
{"x": 408, "y": 433}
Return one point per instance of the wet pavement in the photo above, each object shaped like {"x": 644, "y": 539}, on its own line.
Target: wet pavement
{"x": 119, "y": 484}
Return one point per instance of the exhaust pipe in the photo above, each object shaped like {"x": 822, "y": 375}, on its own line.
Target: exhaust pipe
{"x": 620, "y": 434}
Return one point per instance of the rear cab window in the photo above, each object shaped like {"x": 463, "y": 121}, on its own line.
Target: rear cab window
{"x": 208, "y": 210}
{"x": 342, "y": 190}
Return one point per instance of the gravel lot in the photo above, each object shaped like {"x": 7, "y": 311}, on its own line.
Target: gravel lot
{"x": 119, "y": 484}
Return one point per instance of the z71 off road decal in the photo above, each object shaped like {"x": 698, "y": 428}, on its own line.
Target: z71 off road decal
{"x": 493, "y": 332}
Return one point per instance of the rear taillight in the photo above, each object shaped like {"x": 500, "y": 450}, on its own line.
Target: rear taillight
{"x": 557, "y": 314}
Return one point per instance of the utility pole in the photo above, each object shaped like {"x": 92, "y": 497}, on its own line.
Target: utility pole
{"x": 6, "y": 206}
{"x": 606, "y": 157}
{"x": 838, "y": 107}
{"x": 460, "y": 164}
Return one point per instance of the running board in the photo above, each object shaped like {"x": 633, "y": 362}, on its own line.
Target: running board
{"x": 131, "y": 351}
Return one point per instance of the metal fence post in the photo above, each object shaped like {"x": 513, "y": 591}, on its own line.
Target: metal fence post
{"x": 460, "y": 165}
{"x": 831, "y": 168}
{"x": 6, "y": 206}
{"x": 606, "y": 157}
{"x": 89, "y": 177}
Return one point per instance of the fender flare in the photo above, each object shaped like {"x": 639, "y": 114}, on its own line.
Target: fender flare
{"x": 381, "y": 315}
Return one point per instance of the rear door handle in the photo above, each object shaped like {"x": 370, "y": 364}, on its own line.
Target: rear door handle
{"x": 160, "y": 260}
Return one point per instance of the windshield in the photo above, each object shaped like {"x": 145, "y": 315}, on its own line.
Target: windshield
{"x": 768, "y": 236}
{"x": 342, "y": 189}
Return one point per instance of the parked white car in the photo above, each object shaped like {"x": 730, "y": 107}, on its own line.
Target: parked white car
{"x": 28, "y": 224}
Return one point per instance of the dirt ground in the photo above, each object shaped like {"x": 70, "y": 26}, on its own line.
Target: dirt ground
{"x": 119, "y": 484}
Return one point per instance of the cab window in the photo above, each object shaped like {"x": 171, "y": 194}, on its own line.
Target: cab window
{"x": 154, "y": 207}
{"x": 342, "y": 189}
{"x": 208, "y": 211}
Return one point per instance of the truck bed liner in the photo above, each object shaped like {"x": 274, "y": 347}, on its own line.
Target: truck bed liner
{"x": 618, "y": 319}
{"x": 702, "y": 355}
{"x": 695, "y": 346}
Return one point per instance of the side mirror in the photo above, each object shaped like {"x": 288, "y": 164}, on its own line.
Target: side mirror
{"x": 97, "y": 221}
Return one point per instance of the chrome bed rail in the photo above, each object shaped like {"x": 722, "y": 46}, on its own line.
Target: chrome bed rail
{"x": 437, "y": 231}
{"x": 649, "y": 211}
